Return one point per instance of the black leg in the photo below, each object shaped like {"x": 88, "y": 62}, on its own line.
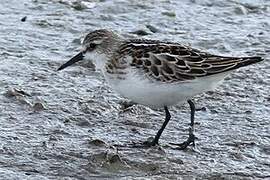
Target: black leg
{"x": 191, "y": 137}
{"x": 181, "y": 146}
{"x": 156, "y": 139}
{"x": 192, "y": 112}
{"x": 167, "y": 119}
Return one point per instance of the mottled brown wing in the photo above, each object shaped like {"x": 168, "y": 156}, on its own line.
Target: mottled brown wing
{"x": 175, "y": 62}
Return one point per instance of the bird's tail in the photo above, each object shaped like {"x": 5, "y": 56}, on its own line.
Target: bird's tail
{"x": 245, "y": 61}
{"x": 220, "y": 64}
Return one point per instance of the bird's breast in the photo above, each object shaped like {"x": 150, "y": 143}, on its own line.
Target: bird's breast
{"x": 137, "y": 87}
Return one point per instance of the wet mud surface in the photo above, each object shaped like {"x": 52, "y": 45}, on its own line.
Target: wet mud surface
{"x": 65, "y": 125}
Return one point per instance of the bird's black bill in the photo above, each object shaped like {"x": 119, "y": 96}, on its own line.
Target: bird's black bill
{"x": 73, "y": 60}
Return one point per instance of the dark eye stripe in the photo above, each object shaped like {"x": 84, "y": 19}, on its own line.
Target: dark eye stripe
{"x": 91, "y": 47}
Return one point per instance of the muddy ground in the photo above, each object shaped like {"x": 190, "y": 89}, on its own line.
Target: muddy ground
{"x": 64, "y": 125}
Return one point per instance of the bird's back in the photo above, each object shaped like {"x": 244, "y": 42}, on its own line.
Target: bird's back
{"x": 173, "y": 62}
{"x": 157, "y": 74}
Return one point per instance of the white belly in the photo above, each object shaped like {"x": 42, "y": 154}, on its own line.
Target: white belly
{"x": 159, "y": 94}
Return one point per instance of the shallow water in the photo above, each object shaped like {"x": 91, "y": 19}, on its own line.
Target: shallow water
{"x": 63, "y": 125}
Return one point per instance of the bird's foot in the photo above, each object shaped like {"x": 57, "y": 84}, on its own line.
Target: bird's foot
{"x": 125, "y": 104}
{"x": 201, "y": 109}
{"x": 150, "y": 142}
{"x": 189, "y": 141}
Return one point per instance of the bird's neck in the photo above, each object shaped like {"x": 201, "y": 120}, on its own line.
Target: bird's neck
{"x": 98, "y": 59}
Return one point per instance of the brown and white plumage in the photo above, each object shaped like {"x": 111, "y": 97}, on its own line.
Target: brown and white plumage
{"x": 173, "y": 62}
{"x": 156, "y": 73}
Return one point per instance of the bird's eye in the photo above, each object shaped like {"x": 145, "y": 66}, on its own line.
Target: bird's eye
{"x": 92, "y": 45}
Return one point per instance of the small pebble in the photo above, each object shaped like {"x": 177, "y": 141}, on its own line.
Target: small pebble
{"x": 16, "y": 92}
{"x": 177, "y": 161}
{"x": 78, "y": 5}
{"x": 97, "y": 142}
{"x": 115, "y": 159}
{"x": 152, "y": 28}
{"x": 24, "y": 19}
{"x": 140, "y": 32}
{"x": 38, "y": 106}
{"x": 248, "y": 112}
{"x": 170, "y": 14}
{"x": 134, "y": 130}
{"x": 240, "y": 10}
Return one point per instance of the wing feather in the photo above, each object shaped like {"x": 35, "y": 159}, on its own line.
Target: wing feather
{"x": 172, "y": 62}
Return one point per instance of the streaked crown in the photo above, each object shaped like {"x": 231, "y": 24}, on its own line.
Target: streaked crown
{"x": 101, "y": 40}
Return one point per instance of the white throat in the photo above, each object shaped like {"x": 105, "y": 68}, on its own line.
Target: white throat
{"x": 98, "y": 59}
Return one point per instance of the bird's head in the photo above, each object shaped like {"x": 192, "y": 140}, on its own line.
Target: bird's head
{"x": 97, "y": 46}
